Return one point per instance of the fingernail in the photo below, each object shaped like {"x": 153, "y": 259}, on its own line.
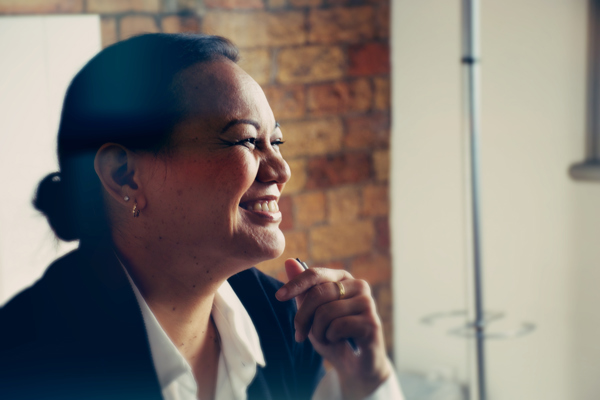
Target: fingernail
{"x": 281, "y": 293}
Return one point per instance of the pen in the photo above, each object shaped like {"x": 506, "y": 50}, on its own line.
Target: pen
{"x": 350, "y": 342}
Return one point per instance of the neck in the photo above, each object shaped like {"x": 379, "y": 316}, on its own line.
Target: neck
{"x": 180, "y": 292}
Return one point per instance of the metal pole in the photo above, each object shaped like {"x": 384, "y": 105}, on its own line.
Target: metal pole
{"x": 471, "y": 64}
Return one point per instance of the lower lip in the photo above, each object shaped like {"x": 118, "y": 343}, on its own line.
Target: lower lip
{"x": 265, "y": 215}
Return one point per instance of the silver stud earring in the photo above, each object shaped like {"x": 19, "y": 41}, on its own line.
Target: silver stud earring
{"x": 126, "y": 198}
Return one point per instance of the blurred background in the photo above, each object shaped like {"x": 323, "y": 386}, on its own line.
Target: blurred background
{"x": 369, "y": 94}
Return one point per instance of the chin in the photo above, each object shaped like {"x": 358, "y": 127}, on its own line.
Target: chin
{"x": 274, "y": 253}
{"x": 271, "y": 248}
{"x": 257, "y": 245}
{"x": 277, "y": 248}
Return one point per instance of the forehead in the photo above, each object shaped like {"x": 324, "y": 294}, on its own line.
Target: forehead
{"x": 214, "y": 93}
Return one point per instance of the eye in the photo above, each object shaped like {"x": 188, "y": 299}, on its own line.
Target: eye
{"x": 249, "y": 143}
{"x": 277, "y": 143}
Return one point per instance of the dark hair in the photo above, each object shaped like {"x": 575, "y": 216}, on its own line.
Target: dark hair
{"x": 123, "y": 95}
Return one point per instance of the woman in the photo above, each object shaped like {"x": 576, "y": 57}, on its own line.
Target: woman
{"x": 170, "y": 173}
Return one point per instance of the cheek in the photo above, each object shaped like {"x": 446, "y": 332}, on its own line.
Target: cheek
{"x": 221, "y": 180}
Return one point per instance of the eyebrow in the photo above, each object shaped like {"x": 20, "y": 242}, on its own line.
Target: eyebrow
{"x": 244, "y": 121}
{"x": 240, "y": 121}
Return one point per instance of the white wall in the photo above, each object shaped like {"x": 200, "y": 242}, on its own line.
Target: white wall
{"x": 541, "y": 230}
{"x": 39, "y": 57}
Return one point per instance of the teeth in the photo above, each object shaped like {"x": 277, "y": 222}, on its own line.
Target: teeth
{"x": 269, "y": 206}
{"x": 273, "y": 206}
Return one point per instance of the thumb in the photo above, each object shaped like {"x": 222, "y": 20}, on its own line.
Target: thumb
{"x": 293, "y": 269}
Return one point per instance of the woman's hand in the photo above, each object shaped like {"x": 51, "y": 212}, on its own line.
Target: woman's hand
{"x": 329, "y": 321}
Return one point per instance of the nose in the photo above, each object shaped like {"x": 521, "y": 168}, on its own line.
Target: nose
{"x": 273, "y": 168}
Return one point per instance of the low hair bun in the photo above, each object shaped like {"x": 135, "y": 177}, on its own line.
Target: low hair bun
{"x": 51, "y": 200}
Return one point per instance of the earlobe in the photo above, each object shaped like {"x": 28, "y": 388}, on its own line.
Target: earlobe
{"x": 115, "y": 166}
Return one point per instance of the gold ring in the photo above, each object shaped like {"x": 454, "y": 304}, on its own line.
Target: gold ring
{"x": 342, "y": 290}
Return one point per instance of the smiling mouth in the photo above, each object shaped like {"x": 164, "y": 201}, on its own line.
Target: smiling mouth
{"x": 270, "y": 206}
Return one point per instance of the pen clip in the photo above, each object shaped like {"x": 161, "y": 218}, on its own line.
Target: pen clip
{"x": 302, "y": 263}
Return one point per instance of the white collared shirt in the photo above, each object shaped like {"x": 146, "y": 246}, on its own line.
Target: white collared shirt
{"x": 240, "y": 355}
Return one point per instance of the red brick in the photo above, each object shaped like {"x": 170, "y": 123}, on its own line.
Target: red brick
{"x": 381, "y": 164}
{"x": 287, "y": 102}
{"x": 120, "y": 6}
{"x": 310, "y": 208}
{"x": 340, "y": 97}
{"x": 276, "y": 4}
{"x": 235, "y": 4}
{"x": 373, "y": 268}
{"x": 108, "y": 31}
{"x": 298, "y": 180}
{"x": 310, "y": 64}
{"x": 347, "y": 239}
{"x": 375, "y": 200}
{"x": 367, "y": 131}
{"x": 305, "y": 3}
{"x": 178, "y": 24}
{"x": 335, "y": 170}
{"x": 40, "y": 6}
{"x": 382, "y": 20}
{"x": 368, "y": 59}
{"x": 257, "y": 29}
{"x": 285, "y": 206}
{"x": 312, "y": 137}
{"x": 343, "y": 204}
{"x": 382, "y": 235}
{"x": 257, "y": 63}
{"x": 382, "y": 93}
{"x": 341, "y": 25}
{"x": 132, "y": 25}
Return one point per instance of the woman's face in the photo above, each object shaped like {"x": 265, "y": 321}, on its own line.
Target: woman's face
{"x": 208, "y": 197}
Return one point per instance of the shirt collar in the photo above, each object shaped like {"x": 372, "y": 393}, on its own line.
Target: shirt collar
{"x": 240, "y": 344}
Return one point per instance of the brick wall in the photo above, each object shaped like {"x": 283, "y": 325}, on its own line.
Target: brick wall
{"x": 324, "y": 65}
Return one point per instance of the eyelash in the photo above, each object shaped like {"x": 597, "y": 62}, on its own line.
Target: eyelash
{"x": 243, "y": 142}
{"x": 252, "y": 141}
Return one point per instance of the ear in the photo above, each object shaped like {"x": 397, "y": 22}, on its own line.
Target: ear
{"x": 116, "y": 168}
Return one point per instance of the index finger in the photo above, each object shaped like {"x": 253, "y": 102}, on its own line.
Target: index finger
{"x": 309, "y": 278}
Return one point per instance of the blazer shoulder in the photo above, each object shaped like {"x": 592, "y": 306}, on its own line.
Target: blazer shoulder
{"x": 25, "y": 313}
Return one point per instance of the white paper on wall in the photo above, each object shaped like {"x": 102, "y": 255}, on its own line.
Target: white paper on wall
{"x": 39, "y": 57}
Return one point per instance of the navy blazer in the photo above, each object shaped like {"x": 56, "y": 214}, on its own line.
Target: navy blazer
{"x": 78, "y": 333}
